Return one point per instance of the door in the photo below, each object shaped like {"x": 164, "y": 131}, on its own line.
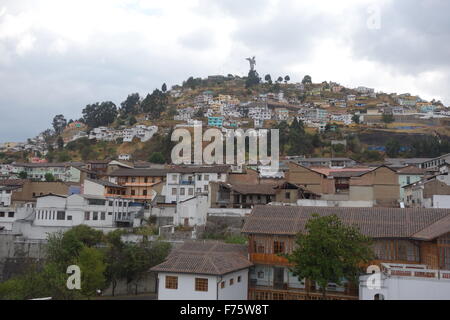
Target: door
{"x": 278, "y": 278}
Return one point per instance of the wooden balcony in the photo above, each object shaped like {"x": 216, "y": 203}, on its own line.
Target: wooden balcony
{"x": 268, "y": 293}
{"x": 271, "y": 259}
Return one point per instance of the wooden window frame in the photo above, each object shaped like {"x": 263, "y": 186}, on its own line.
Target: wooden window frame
{"x": 201, "y": 284}
{"x": 172, "y": 282}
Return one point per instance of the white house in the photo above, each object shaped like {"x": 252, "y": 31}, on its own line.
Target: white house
{"x": 183, "y": 183}
{"x": 124, "y": 157}
{"x": 405, "y": 282}
{"x": 92, "y": 210}
{"x": 204, "y": 271}
{"x": 193, "y": 211}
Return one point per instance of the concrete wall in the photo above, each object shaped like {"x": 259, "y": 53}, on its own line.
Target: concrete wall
{"x": 186, "y": 287}
{"x": 406, "y": 288}
{"x": 441, "y": 201}
{"x": 329, "y": 203}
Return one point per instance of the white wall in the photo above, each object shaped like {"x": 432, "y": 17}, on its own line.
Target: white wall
{"x": 186, "y": 287}
{"x": 93, "y": 188}
{"x": 195, "y": 210}
{"x": 441, "y": 201}
{"x": 330, "y": 203}
{"x": 406, "y": 288}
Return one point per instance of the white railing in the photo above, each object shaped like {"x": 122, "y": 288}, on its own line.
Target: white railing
{"x": 415, "y": 271}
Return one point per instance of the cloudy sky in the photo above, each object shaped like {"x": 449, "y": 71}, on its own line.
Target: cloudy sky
{"x": 57, "y": 56}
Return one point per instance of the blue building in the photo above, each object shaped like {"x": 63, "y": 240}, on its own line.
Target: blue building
{"x": 215, "y": 122}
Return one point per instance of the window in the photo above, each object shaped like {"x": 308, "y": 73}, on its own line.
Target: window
{"x": 408, "y": 180}
{"x": 2, "y": 214}
{"x": 182, "y": 192}
{"x": 103, "y": 216}
{"x": 206, "y": 188}
{"x": 278, "y": 247}
{"x": 174, "y": 191}
{"x": 174, "y": 178}
{"x": 10, "y": 214}
{"x": 61, "y": 215}
{"x": 260, "y": 274}
{"x": 231, "y": 281}
{"x": 145, "y": 180}
{"x": 171, "y": 282}
{"x": 199, "y": 177}
{"x": 133, "y": 192}
{"x": 109, "y": 213}
{"x": 111, "y": 203}
{"x": 96, "y": 202}
{"x": 133, "y": 179}
{"x": 206, "y": 177}
{"x": 288, "y": 195}
{"x": 191, "y": 191}
{"x": 95, "y": 216}
{"x": 199, "y": 190}
{"x": 201, "y": 284}
{"x": 87, "y": 216}
{"x": 219, "y": 176}
{"x": 239, "y": 279}
{"x": 222, "y": 285}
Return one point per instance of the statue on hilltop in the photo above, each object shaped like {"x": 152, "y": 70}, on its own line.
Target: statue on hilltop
{"x": 252, "y": 62}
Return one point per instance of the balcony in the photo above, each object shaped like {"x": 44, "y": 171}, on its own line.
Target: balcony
{"x": 271, "y": 259}
{"x": 187, "y": 183}
{"x": 270, "y": 293}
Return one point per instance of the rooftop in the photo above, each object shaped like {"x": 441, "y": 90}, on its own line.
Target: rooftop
{"x": 411, "y": 223}
{"x": 209, "y": 258}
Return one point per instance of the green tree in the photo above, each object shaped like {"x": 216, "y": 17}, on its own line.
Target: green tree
{"x": 307, "y": 80}
{"x": 268, "y": 79}
{"x": 132, "y": 121}
{"x": 164, "y": 88}
{"x": 280, "y": 79}
{"x": 114, "y": 257}
{"x": 329, "y": 251}
{"x": 60, "y": 143}
{"x": 23, "y": 175}
{"x": 253, "y": 79}
{"x": 287, "y": 79}
{"x": 355, "y": 118}
{"x": 100, "y": 114}
{"x": 388, "y": 118}
{"x": 49, "y": 177}
{"x": 59, "y": 123}
{"x": 131, "y": 105}
{"x": 157, "y": 157}
{"x": 392, "y": 148}
{"x": 93, "y": 267}
{"x": 155, "y": 104}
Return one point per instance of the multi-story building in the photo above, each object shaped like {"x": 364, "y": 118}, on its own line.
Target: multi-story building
{"x": 140, "y": 184}
{"x": 185, "y": 182}
{"x": 67, "y": 171}
{"x": 414, "y": 236}
{"x": 215, "y": 122}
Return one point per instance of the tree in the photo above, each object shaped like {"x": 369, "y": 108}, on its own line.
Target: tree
{"x": 59, "y": 123}
{"x": 93, "y": 267}
{"x": 307, "y": 80}
{"x": 115, "y": 256}
{"x": 100, "y": 114}
{"x": 388, "y": 118}
{"x": 132, "y": 121}
{"x": 253, "y": 79}
{"x": 23, "y": 175}
{"x": 392, "y": 148}
{"x": 49, "y": 177}
{"x": 157, "y": 157}
{"x": 131, "y": 105}
{"x": 155, "y": 104}
{"x": 280, "y": 80}
{"x": 329, "y": 251}
{"x": 199, "y": 113}
{"x": 355, "y": 118}
{"x": 287, "y": 79}
{"x": 268, "y": 79}
{"x": 60, "y": 143}
{"x": 164, "y": 88}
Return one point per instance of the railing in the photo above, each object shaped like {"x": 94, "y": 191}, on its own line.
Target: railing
{"x": 415, "y": 271}
{"x": 265, "y": 258}
{"x": 262, "y": 293}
